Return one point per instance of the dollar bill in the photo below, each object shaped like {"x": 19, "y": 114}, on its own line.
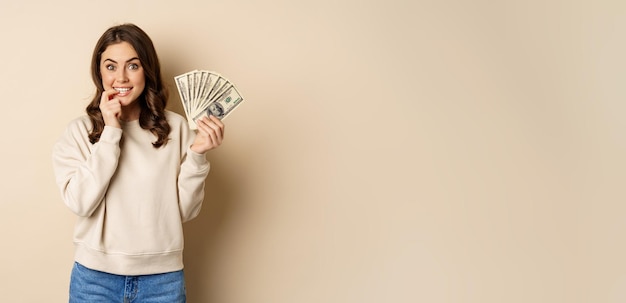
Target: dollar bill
{"x": 182, "y": 86}
{"x": 205, "y": 93}
{"x": 224, "y": 104}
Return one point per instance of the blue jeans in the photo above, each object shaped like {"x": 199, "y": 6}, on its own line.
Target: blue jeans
{"x": 87, "y": 285}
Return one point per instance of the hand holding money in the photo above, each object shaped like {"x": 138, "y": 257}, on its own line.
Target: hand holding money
{"x": 204, "y": 93}
{"x": 210, "y": 134}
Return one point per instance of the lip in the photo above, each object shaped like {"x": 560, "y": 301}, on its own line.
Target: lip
{"x": 123, "y": 91}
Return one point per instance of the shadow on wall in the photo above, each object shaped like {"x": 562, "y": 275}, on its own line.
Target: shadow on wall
{"x": 202, "y": 234}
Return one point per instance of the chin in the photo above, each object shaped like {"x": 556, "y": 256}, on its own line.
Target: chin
{"x": 128, "y": 101}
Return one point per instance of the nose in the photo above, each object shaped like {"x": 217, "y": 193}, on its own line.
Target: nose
{"x": 121, "y": 75}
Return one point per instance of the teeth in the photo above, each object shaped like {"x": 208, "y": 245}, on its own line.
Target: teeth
{"x": 122, "y": 89}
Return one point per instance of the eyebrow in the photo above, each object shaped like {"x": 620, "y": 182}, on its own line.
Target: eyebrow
{"x": 131, "y": 59}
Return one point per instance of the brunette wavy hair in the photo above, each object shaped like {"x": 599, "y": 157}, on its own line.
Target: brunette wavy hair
{"x": 154, "y": 96}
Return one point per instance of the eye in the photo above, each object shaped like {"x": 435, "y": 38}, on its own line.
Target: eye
{"x": 133, "y": 66}
{"x": 110, "y": 67}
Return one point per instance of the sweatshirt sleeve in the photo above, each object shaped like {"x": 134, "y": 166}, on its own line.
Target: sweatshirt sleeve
{"x": 82, "y": 170}
{"x": 191, "y": 180}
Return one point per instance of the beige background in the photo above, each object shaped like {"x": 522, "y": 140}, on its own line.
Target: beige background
{"x": 387, "y": 151}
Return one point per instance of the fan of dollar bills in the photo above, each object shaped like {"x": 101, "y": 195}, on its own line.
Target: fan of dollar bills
{"x": 206, "y": 93}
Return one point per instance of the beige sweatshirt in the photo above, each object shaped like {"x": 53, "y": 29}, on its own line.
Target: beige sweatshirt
{"x": 131, "y": 198}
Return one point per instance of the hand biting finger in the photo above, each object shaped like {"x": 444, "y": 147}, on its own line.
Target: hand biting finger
{"x": 108, "y": 94}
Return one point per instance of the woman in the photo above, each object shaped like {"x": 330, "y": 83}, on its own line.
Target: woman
{"x": 133, "y": 172}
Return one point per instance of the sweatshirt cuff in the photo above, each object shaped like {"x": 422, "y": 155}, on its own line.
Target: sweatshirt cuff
{"x": 111, "y": 134}
{"x": 196, "y": 158}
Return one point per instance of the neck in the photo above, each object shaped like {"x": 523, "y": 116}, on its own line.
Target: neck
{"x": 130, "y": 112}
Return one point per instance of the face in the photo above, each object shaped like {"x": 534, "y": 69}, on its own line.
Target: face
{"x": 215, "y": 110}
{"x": 121, "y": 70}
